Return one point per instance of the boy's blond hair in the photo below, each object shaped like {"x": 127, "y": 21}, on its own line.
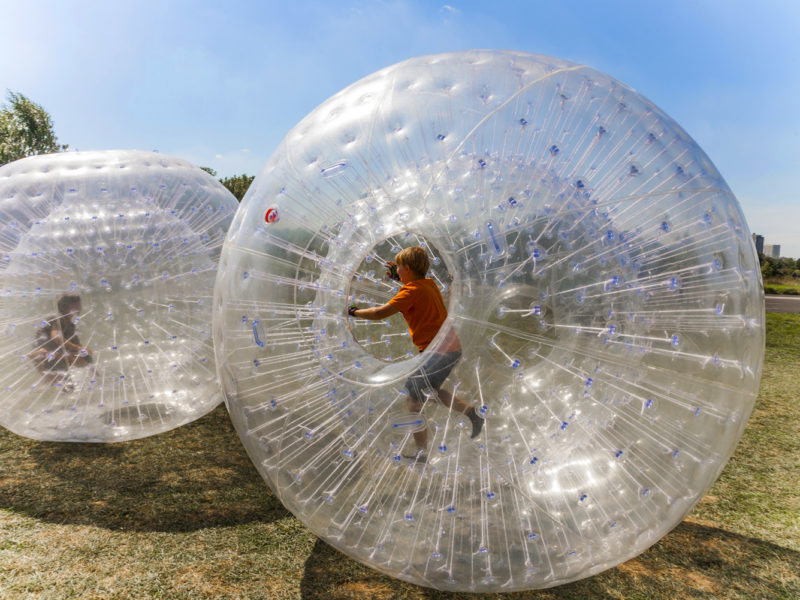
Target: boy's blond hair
{"x": 415, "y": 258}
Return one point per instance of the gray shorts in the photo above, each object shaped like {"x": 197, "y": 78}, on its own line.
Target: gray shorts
{"x": 431, "y": 375}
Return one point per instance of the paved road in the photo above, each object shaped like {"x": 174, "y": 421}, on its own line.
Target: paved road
{"x": 782, "y": 304}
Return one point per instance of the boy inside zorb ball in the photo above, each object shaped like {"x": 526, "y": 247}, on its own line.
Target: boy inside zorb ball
{"x": 420, "y": 302}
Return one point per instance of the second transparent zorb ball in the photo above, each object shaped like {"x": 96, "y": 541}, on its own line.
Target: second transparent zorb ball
{"x": 107, "y": 267}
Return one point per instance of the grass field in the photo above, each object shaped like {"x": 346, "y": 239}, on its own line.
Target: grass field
{"x": 782, "y": 286}
{"x": 185, "y": 515}
{"x": 781, "y": 289}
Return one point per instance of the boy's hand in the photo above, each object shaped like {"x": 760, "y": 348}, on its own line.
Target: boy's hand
{"x": 351, "y": 310}
{"x": 391, "y": 272}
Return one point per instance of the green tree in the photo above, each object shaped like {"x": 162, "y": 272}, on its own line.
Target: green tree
{"x": 25, "y": 129}
{"x": 786, "y": 266}
{"x": 209, "y": 170}
{"x": 238, "y": 184}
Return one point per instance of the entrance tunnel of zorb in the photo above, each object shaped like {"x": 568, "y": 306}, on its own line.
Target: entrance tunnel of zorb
{"x": 136, "y": 236}
{"x": 598, "y": 272}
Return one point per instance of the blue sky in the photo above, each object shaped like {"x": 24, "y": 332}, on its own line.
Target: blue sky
{"x": 220, "y": 84}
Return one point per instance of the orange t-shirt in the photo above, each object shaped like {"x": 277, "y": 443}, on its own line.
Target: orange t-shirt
{"x": 423, "y": 308}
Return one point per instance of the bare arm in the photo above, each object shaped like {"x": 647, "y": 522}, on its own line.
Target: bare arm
{"x": 376, "y": 313}
{"x": 71, "y": 351}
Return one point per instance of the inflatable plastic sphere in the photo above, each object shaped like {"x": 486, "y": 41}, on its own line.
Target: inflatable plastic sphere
{"x": 107, "y": 267}
{"x": 596, "y": 268}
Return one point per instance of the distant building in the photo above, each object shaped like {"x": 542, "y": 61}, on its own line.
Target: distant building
{"x": 772, "y": 250}
{"x": 758, "y": 240}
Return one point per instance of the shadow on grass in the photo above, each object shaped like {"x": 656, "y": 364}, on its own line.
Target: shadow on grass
{"x": 693, "y": 561}
{"x": 193, "y": 477}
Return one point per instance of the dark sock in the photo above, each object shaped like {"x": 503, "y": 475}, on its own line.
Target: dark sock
{"x": 419, "y": 456}
{"x": 477, "y": 422}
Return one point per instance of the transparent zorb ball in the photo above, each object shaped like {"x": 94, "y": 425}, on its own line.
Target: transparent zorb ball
{"x": 135, "y": 237}
{"x": 600, "y": 276}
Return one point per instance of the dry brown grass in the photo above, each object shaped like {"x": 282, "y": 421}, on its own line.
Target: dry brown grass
{"x": 185, "y": 515}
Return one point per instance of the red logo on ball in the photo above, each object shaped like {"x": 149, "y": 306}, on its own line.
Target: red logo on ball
{"x": 271, "y": 216}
